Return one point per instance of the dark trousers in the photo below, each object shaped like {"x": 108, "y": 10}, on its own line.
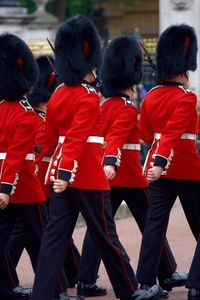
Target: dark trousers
{"x": 138, "y": 202}
{"x": 33, "y": 217}
{"x": 163, "y": 194}
{"x": 95, "y": 207}
{"x": 194, "y": 273}
{"x": 19, "y": 241}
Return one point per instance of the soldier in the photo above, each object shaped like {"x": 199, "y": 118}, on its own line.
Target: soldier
{"x": 39, "y": 99}
{"x": 121, "y": 132}
{"x": 74, "y": 131}
{"x": 19, "y": 240}
{"x": 169, "y": 120}
{"x": 21, "y": 194}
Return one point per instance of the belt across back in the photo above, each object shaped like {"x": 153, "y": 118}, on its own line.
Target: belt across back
{"x": 136, "y": 147}
{"x": 29, "y": 156}
{"x": 185, "y": 136}
{"x": 91, "y": 139}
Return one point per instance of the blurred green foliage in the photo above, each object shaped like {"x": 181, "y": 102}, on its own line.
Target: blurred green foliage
{"x": 84, "y": 7}
{"x": 30, "y": 5}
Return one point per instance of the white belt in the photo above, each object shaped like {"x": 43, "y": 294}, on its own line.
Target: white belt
{"x": 29, "y": 156}
{"x": 46, "y": 159}
{"x": 91, "y": 139}
{"x": 132, "y": 147}
{"x": 185, "y": 136}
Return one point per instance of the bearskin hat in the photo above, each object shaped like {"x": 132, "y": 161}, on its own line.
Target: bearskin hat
{"x": 176, "y": 51}
{"x": 18, "y": 69}
{"x": 122, "y": 65}
{"x": 77, "y": 49}
{"x": 46, "y": 83}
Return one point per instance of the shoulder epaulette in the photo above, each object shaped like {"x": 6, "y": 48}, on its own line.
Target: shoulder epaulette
{"x": 129, "y": 101}
{"x": 42, "y": 115}
{"x": 89, "y": 88}
{"x": 185, "y": 89}
{"x": 26, "y": 105}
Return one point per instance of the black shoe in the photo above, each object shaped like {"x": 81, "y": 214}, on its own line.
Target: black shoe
{"x": 194, "y": 294}
{"x": 152, "y": 293}
{"x": 90, "y": 290}
{"x": 176, "y": 279}
{"x": 163, "y": 293}
{"x": 65, "y": 296}
{"x": 18, "y": 293}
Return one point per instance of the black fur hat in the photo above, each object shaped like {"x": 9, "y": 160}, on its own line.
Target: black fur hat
{"x": 46, "y": 83}
{"x": 18, "y": 69}
{"x": 77, "y": 49}
{"x": 122, "y": 65}
{"x": 176, "y": 51}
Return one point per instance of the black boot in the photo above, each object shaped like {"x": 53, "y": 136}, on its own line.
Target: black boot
{"x": 176, "y": 279}
{"x": 18, "y": 293}
{"x": 163, "y": 293}
{"x": 65, "y": 296}
{"x": 152, "y": 293}
{"x": 90, "y": 290}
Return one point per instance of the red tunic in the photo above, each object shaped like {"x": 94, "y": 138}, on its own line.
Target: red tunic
{"x": 18, "y": 127}
{"x": 74, "y": 113}
{"x": 171, "y": 111}
{"x": 120, "y": 128}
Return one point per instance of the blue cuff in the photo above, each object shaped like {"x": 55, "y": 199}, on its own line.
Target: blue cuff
{"x": 6, "y": 188}
{"x": 160, "y": 161}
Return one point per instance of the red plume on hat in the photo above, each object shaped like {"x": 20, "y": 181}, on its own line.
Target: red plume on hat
{"x": 176, "y": 51}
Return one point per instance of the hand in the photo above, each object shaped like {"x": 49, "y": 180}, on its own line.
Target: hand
{"x": 4, "y": 200}
{"x": 154, "y": 173}
{"x": 109, "y": 171}
{"x": 59, "y": 185}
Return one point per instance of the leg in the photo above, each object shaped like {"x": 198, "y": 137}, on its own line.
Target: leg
{"x": 95, "y": 206}
{"x": 138, "y": 202}
{"x": 90, "y": 259}
{"x": 33, "y": 218}
{"x": 63, "y": 215}
{"x": 194, "y": 274}
{"x": 162, "y": 199}
{"x": 72, "y": 263}
{"x": 8, "y": 275}
{"x": 189, "y": 191}
{"x": 17, "y": 242}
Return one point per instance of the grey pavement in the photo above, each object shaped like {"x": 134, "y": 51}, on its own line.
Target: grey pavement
{"x": 179, "y": 236}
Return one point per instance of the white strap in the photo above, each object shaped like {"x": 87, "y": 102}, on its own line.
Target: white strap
{"x": 46, "y": 159}
{"x": 29, "y": 156}
{"x": 185, "y": 136}
{"x": 91, "y": 139}
{"x": 61, "y": 139}
{"x": 136, "y": 147}
{"x": 95, "y": 139}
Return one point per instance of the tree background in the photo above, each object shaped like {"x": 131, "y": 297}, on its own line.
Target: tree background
{"x": 64, "y": 9}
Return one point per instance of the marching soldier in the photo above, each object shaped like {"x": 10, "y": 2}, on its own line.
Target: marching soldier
{"x": 169, "y": 120}
{"x": 21, "y": 195}
{"x": 39, "y": 99}
{"x": 121, "y": 132}
{"x": 74, "y": 131}
{"x": 19, "y": 240}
